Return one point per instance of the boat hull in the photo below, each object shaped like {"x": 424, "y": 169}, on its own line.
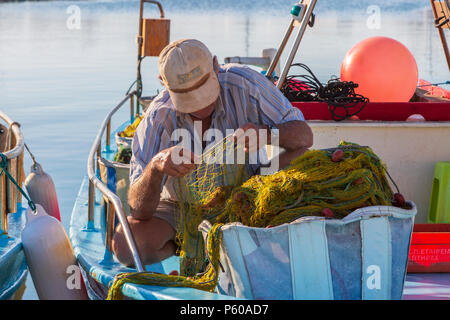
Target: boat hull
{"x": 13, "y": 267}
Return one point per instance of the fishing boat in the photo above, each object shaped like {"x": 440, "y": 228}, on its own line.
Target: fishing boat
{"x": 100, "y": 203}
{"x": 13, "y": 267}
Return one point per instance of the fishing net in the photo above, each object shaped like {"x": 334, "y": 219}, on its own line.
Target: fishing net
{"x": 221, "y": 168}
{"x": 315, "y": 184}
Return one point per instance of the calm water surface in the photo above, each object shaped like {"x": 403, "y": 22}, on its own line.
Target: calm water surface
{"x": 60, "y": 82}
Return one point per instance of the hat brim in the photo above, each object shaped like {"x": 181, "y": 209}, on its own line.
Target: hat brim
{"x": 197, "y": 99}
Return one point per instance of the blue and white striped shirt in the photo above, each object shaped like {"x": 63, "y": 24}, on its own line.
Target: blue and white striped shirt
{"x": 246, "y": 96}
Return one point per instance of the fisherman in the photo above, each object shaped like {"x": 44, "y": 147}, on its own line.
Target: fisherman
{"x": 199, "y": 95}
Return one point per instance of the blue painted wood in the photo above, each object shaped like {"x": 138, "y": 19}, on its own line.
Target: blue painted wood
{"x": 309, "y": 253}
{"x": 377, "y": 258}
{"x": 13, "y": 268}
{"x": 236, "y": 254}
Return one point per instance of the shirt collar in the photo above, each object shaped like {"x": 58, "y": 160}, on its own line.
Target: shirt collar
{"x": 220, "y": 109}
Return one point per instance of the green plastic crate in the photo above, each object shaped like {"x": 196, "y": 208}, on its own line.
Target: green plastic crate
{"x": 439, "y": 210}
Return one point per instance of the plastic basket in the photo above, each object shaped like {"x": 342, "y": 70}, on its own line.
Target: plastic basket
{"x": 363, "y": 256}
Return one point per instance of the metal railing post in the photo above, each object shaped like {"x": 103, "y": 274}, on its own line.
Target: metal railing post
{"x": 4, "y": 204}
{"x": 91, "y": 204}
{"x": 19, "y": 166}
{"x": 8, "y": 184}
{"x": 110, "y": 219}
{"x": 114, "y": 203}
{"x": 108, "y": 136}
{"x": 132, "y": 109}
{"x": 281, "y": 47}
{"x": 301, "y": 31}
{"x": 7, "y": 200}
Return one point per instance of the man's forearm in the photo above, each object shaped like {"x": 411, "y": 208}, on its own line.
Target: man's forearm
{"x": 295, "y": 135}
{"x": 144, "y": 194}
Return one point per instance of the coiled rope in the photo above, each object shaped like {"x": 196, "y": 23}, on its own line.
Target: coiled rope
{"x": 342, "y": 100}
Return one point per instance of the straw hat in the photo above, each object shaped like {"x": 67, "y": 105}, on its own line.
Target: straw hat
{"x": 186, "y": 70}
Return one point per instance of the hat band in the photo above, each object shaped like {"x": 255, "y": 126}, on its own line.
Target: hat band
{"x": 201, "y": 82}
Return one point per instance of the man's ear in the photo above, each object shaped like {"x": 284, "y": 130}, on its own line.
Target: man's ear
{"x": 216, "y": 65}
{"x": 161, "y": 80}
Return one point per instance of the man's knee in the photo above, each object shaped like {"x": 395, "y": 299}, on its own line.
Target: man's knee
{"x": 120, "y": 247}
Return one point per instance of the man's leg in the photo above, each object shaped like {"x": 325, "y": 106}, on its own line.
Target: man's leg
{"x": 154, "y": 240}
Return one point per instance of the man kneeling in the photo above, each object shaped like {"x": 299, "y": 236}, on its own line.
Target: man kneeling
{"x": 200, "y": 95}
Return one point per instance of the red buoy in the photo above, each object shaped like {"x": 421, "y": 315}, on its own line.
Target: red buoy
{"x": 327, "y": 212}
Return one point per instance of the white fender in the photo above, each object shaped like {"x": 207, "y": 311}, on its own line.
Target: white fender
{"x": 41, "y": 189}
{"x": 50, "y": 258}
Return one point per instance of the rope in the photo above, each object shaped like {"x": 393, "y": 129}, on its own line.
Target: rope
{"x": 31, "y": 155}
{"x": 139, "y": 87}
{"x": 434, "y": 84}
{"x": 206, "y": 281}
{"x": 342, "y": 100}
{"x": 4, "y": 166}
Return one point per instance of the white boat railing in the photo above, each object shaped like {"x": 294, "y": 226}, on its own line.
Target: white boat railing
{"x": 14, "y": 154}
{"x": 114, "y": 206}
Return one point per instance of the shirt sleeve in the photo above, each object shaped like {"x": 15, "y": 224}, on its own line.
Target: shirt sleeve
{"x": 146, "y": 141}
{"x": 273, "y": 107}
{"x": 137, "y": 164}
{"x": 269, "y": 106}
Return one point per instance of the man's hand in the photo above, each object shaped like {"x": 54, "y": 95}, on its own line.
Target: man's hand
{"x": 174, "y": 162}
{"x": 253, "y": 136}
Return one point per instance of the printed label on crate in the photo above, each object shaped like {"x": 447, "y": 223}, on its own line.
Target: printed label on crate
{"x": 427, "y": 255}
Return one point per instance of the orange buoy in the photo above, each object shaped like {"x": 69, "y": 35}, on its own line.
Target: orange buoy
{"x": 50, "y": 258}
{"x": 384, "y": 69}
{"x": 42, "y": 190}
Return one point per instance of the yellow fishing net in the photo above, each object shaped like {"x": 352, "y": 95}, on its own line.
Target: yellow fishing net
{"x": 315, "y": 184}
{"x": 131, "y": 129}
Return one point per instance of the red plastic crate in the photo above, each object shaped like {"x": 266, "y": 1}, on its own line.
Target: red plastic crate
{"x": 381, "y": 111}
{"x": 430, "y": 248}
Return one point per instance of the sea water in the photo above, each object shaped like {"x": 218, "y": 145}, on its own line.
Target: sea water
{"x": 64, "y": 65}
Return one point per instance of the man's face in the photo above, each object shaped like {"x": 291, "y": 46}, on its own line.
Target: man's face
{"x": 204, "y": 113}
